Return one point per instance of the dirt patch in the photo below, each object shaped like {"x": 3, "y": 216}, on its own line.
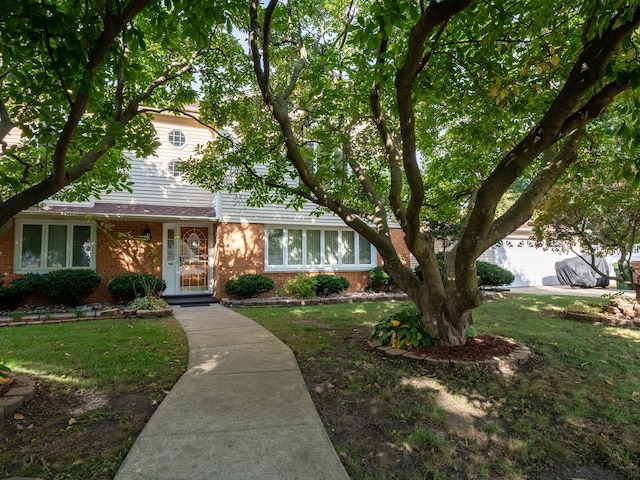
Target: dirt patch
{"x": 84, "y": 434}
{"x": 393, "y": 419}
{"x": 579, "y": 473}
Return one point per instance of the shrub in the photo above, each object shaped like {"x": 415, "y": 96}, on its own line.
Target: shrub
{"x": 401, "y": 330}
{"x": 70, "y": 287}
{"x": 301, "y": 287}
{"x": 148, "y": 302}
{"x": 248, "y": 285}
{"x": 128, "y": 287}
{"x": 492, "y": 275}
{"x": 378, "y": 280}
{"x": 13, "y": 292}
{"x": 330, "y": 284}
{"x": 489, "y": 275}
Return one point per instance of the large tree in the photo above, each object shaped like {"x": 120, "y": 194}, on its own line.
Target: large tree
{"x": 392, "y": 113}
{"x": 74, "y": 79}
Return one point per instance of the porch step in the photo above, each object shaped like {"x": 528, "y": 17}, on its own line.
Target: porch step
{"x": 191, "y": 300}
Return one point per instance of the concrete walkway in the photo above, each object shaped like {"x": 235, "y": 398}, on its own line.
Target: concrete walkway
{"x": 567, "y": 290}
{"x": 241, "y": 411}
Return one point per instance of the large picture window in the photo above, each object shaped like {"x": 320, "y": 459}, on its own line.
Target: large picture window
{"x": 296, "y": 249}
{"x": 53, "y": 245}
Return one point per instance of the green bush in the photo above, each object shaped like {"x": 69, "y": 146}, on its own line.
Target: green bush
{"x": 330, "y": 284}
{"x": 378, "y": 280}
{"x": 301, "y": 286}
{"x": 248, "y": 286}
{"x": 491, "y": 275}
{"x": 13, "y": 292}
{"x": 401, "y": 330}
{"x": 128, "y": 287}
{"x": 71, "y": 286}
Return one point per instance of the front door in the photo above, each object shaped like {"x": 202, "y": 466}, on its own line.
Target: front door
{"x": 186, "y": 267}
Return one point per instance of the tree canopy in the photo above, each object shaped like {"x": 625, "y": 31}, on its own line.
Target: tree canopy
{"x": 74, "y": 79}
{"x": 406, "y": 113}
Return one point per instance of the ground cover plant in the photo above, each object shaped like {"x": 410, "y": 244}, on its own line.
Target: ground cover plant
{"x": 572, "y": 412}
{"x": 97, "y": 385}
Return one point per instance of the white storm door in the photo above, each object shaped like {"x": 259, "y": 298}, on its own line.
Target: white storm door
{"x": 171, "y": 258}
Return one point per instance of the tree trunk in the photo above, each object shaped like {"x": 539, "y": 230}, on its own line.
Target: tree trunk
{"x": 446, "y": 323}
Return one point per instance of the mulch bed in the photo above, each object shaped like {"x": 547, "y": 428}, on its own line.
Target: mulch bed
{"x": 483, "y": 347}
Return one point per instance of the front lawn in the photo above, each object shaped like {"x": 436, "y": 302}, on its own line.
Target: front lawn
{"x": 577, "y": 404}
{"x": 98, "y": 382}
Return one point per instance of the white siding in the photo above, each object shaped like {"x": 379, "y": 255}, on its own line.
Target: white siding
{"x": 232, "y": 207}
{"x": 154, "y": 184}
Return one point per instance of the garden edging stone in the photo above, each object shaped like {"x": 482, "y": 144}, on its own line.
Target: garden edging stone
{"x": 16, "y": 396}
{"x": 505, "y": 364}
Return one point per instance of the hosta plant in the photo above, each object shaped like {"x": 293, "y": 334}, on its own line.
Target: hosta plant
{"x": 401, "y": 330}
{"x": 148, "y": 302}
{"x": 4, "y": 374}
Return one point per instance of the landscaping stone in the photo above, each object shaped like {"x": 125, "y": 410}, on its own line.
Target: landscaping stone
{"x": 621, "y": 313}
{"x": 294, "y": 302}
{"x": 16, "y": 396}
{"x": 416, "y": 357}
{"x": 8, "y": 405}
{"x": 394, "y": 352}
{"x": 506, "y": 364}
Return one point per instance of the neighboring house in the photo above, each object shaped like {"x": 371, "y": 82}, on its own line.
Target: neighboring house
{"x": 530, "y": 265}
{"x": 197, "y": 240}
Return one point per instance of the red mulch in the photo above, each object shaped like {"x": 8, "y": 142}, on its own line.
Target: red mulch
{"x": 483, "y": 347}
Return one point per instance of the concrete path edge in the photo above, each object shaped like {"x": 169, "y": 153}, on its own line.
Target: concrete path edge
{"x": 241, "y": 411}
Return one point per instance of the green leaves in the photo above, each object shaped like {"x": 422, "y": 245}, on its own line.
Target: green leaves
{"x": 401, "y": 329}
{"x": 68, "y": 66}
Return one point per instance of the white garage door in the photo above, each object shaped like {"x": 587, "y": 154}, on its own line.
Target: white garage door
{"x": 531, "y": 266}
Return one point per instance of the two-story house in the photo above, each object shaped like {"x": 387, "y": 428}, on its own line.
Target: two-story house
{"x": 194, "y": 239}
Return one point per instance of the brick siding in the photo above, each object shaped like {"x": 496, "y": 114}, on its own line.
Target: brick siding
{"x": 239, "y": 249}
{"x": 118, "y": 252}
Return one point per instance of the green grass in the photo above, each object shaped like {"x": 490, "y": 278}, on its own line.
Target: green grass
{"x": 97, "y": 382}
{"x": 108, "y": 354}
{"x": 578, "y": 402}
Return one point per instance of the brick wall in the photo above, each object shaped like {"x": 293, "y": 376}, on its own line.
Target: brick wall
{"x": 6, "y": 252}
{"x": 397, "y": 238}
{"x": 239, "y": 249}
{"x": 118, "y": 251}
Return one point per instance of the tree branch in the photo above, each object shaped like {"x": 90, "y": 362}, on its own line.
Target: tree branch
{"x": 587, "y": 71}
{"x": 394, "y": 157}
{"x": 113, "y": 25}
{"x": 435, "y": 14}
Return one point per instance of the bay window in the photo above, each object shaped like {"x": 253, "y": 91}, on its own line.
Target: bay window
{"x": 299, "y": 248}
{"x": 53, "y": 245}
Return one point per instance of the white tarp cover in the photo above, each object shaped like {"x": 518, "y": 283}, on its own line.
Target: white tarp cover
{"x": 577, "y": 272}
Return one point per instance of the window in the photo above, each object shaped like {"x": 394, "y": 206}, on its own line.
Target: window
{"x": 54, "y": 245}
{"x": 296, "y": 248}
{"x": 177, "y": 138}
{"x": 275, "y": 246}
{"x": 313, "y": 247}
{"x": 175, "y": 169}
